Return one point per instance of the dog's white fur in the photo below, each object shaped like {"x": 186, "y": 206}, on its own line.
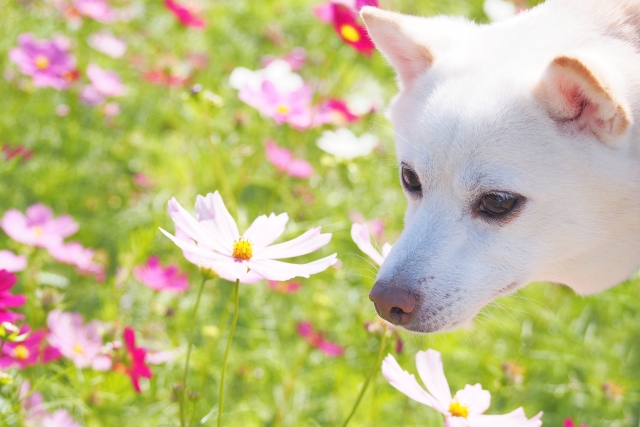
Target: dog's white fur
{"x": 545, "y": 105}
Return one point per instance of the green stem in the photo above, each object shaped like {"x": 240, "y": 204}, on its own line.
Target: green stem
{"x": 373, "y": 370}
{"x": 189, "y": 346}
{"x": 226, "y": 353}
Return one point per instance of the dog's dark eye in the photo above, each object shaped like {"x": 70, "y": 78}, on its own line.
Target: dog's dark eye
{"x": 498, "y": 204}
{"x": 410, "y": 180}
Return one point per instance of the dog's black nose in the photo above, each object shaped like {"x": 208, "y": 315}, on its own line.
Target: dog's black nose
{"x": 393, "y": 304}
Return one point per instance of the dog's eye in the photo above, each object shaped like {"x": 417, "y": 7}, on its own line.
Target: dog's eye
{"x": 498, "y": 204}
{"x": 410, "y": 180}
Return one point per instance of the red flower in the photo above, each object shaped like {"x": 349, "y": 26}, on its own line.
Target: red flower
{"x": 352, "y": 33}
{"x": 184, "y": 15}
{"x": 137, "y": 368}
{"x": 569, "y": 423}
{"x": 315, "y": 339}
{"x": 10, "y": 152}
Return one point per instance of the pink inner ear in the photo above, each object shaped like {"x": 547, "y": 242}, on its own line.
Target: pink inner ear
{"x": 574, "y": 100}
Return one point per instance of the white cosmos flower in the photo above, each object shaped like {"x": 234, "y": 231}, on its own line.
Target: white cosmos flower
{"x": 218, "y": 242}
{"x": 343, "y": 143}
{"x": 277, "y": 72}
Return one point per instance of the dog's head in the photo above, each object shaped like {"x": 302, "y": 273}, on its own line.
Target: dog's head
{"x": 516, "y": 163}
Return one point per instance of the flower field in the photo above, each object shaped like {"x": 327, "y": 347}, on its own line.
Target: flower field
{"x": 195, "y": 197}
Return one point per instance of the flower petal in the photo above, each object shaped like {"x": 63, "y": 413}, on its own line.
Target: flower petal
{"x": 301, "y": 245}
{"x": 278, "y": 270}
{"x": 193, "y": 228}
{"x": 212, "y": 211}
{"x": 474, "y": 398}
{"x": 429, "y": 365}
{"x": 361, "y": 237}
{"x": 266, "y": 229}
{"x": 516, "y": 418}
{"x": 407, "y": 384}
{"x": 195, "y": 250}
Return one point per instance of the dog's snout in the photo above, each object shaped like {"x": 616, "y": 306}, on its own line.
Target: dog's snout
{"x": 393, "y": 304}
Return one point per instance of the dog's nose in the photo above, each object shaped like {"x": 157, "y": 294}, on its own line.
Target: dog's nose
{"x": 392, "y": 303}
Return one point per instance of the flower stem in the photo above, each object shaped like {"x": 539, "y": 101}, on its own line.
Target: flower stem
{"x": 236, "y": 295}
{"x": 189, "y": 346}
{"x": 374, "y": 369}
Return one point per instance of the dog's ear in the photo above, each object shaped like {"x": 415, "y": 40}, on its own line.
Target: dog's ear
{"x": 583, "y": 96}
{"x": 410, "y": 43}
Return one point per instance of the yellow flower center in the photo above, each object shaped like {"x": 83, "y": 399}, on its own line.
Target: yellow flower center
{"x": 242, "y": 249}
{"x": 282, "y": 109}
{"x": 77, "y": 349}
{"x": 21, "y": 352}
{"x": 42, "y": 62}
{"x": 458, "y": 410}
{"x": 350, "y": 33}
{"x": 38, "y": 230}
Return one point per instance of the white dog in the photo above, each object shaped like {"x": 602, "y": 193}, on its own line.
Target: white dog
{"x": 519, "y": 154}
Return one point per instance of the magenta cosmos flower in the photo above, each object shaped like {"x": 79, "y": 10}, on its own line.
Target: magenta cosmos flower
{"x": 283, "y": 159}
{"x": 317, "y": 340}
{"x": 38, "y": 227}
{"x": 135, "y": 366}
{"x": 47, "y": 62}
{"x": 79, "y": 342}
{"x": 361, "y": 237}
{"x": 184, "y": 15}
{"x": 570, "y": 423}
{"x": 465, "y": 409}
{"x": 31, "y": 351}
{"x": 159, "y": 278}
{"x": 219, "y": 241}
{"x": 9, "y": 300}
{"x": 12, "y": 262}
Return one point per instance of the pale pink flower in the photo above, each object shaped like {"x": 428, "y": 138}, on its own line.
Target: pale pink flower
{"x": 361, "y": 237}
{"x": 95, "y": 9}
{"x": 111, "y": 109}
{"x": 104, "y": 84}
{"x": 220, "y": 242}
{"x": 38, "y": 227}
{"x": 73, "y": 253}
{"x": 283, "y": 159}
{"x": 283, "y": 107}
{"x": 295, "y": 58}
{"x": 159, "y": 278}
{"x": 107, "y": 43}
{"x": 12, "y": 262}
{"x": 465, "y": 409}
{"x": 79, "y": 342}
{"x": 59, "y": 418}
{"x": 36, "y": 413}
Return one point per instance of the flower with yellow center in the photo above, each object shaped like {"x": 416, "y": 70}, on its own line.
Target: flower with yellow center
{"x": 282, "y": 109}
{"x": 350, "y": 33}
{"x": 78, "y": 349}
{"x": 38, "y": 231}
{"x": 465, "y": 409}
{"x": 213, "y": 241}
{"x": 42, "y": 62}
{"x": 21, "y": 352}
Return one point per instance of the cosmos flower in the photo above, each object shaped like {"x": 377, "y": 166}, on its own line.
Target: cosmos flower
{"x": 97, "y": 10}
{"x": 292, "y": 107}
{"x": 104, "y": 84}
{"x": 36, "y": 413}
{"x": 31, "y": 351}
{"x": 12, "y": 262}
{"x": 184, "y": 15}
{"x": 73, "y": 253}
{"x": 80, "y": 342}
{"x": 278, "y": 72}
{"x": 59, "y": 418}
{"x": 12, "y": 151}
{"x": 38, "y": 227}
{"x": 336, "y": 112}
{"x": 317, "y": 340}
{"x": 107, "y": 43}
{"x": 220, "y": 242}
{"x": 343, "y": 15}
{"x": 164, "y": 279}
{"x": 361, "y": 237}
{"x": 47, "y": 62}
{"x": 465, "y": 409}
{"x": 135, "y": 367}
{"x": 343, "y": 143}
{"x": 283, "y": 159}
{"x": 284, "y": 287}
{"x": 570, "y": 423}
{"x": 9, "y": 300}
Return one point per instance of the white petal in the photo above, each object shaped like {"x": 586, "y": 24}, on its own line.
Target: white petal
{"x": 198, "y": 251}
{"x": 278, "y": 270}
{"x": 301, "y": 245}
{"x": 361, "y": 237}
{"x": 429, "y": 365}
{"x": 516, "y": 418}
{"x": 214, "y": 216}
{"x": 188, "y": 224}
{"x": 474, "y": 398}
{"x": 406, "y": 383}
{"x": 266, "y": 229}
{"x": 386, "y": 248}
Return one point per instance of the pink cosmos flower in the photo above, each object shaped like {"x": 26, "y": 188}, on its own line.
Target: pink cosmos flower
{"x": 104, "y": 84}
{"x": 38, "y": 227}
{"x": 79, "y": 342}
{"x": 465, "y": 409}
{"x": 163, "y": 279}
{"x": 136, "y": 366}
{"x": 165, "y": 78}
{"x": 283, "y": 159}
{"x": 12, "y": 262}
{"x": 47, "y": 62}
{"x": 284, "y": 287}
{"x": 107, "y": 43}
{"x": 336, "y": 112}
{"x": 95, "y": 9}
{"x": 73, "y": 253}
{"x": 143, "y": 180}
{"x": 36, "y": 413}
{"x": 296, "y": 58}
{"x": 9, "y": 152}
{"x": 59, "y": 418}
{"x": 292, "y": 107}
{"x": 31, "y": 351}
{"x": 220, "y": 243}
{"x": 9, "y": 300}
{"x": 361, "y": 237}
{"x": 317, "y": 340}
{"x": 184, "y": 15}
{"x": 570, "y": 423}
